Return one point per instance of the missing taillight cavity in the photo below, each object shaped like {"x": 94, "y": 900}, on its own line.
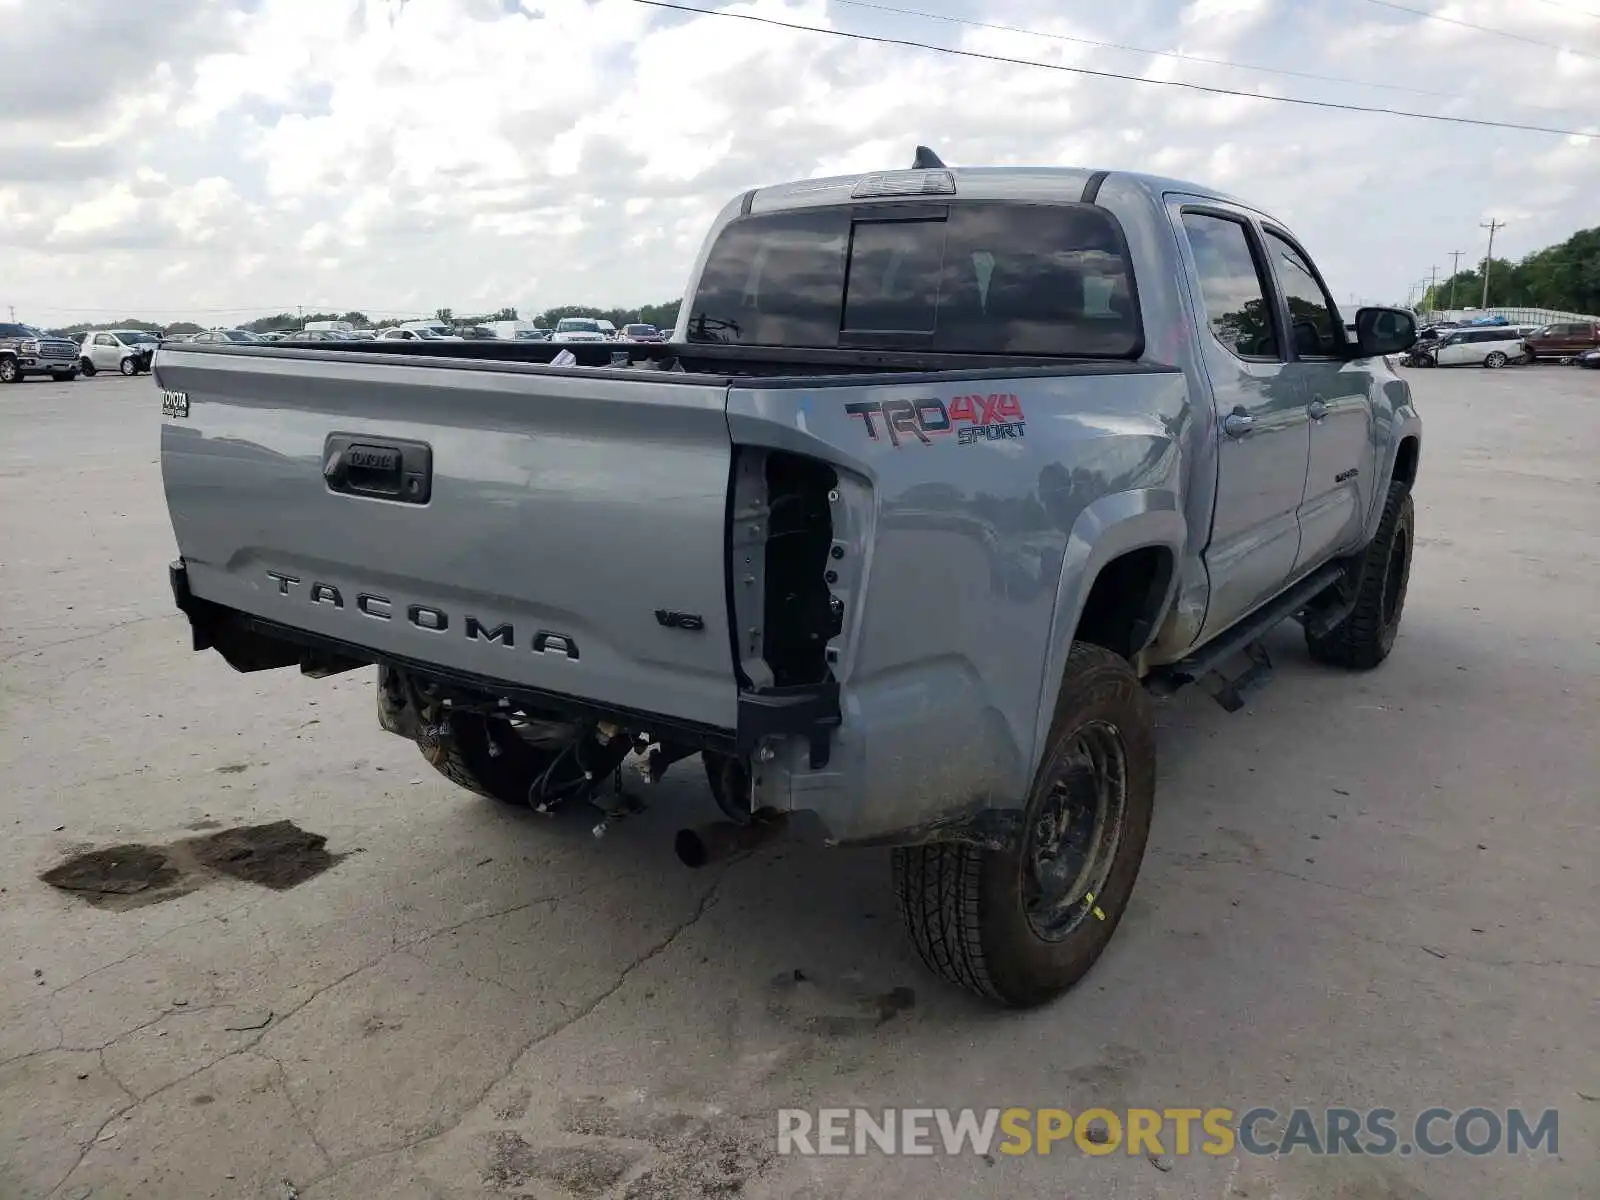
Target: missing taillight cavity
{"x": 799, "y": 612}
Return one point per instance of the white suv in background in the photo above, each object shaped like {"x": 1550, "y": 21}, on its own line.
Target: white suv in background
{"x": 1487, "y": 346}
{"x": 578, "y": 329}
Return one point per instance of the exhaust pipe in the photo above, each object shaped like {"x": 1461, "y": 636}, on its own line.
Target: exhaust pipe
{"x": 723, "y": 839}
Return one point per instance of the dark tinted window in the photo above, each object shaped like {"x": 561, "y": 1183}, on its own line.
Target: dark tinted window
{"x": 964, "y": 278}
{"x": 1311, "y": 313}
{"x": 1231, "y": 286}
{"x": 894, "y": 275}
{"x": 14, "y": 331}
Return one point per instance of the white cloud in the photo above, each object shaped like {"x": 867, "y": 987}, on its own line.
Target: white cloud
{"x": 406, "y": 155}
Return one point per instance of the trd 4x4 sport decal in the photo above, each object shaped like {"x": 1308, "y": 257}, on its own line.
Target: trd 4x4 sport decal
{"x": 989, "y": 418}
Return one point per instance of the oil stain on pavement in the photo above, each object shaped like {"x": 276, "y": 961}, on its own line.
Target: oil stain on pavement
{"x": 279, "y": 855}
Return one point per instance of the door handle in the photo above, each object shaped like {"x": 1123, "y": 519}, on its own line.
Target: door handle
{"x": 1317, "y": 408}
{"x": 1237, "y": 424}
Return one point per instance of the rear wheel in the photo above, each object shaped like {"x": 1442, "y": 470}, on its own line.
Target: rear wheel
{"x": 1022, "y": 925}
{"x": 86, "y": 366}
{"x": 1495, "y": 360}
{"x": 1365, "y": 637}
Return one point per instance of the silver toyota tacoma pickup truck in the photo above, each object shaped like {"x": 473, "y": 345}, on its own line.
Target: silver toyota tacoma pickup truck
{"x": 943, "y": 474}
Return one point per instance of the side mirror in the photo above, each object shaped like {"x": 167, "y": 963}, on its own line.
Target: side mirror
{"x": 1384, "y": 331}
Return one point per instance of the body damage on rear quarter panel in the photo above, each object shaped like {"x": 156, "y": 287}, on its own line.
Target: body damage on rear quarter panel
{"x": 980, "y": 549}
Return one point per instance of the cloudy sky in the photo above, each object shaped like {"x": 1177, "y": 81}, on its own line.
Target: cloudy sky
{"x": 221, "y": 159}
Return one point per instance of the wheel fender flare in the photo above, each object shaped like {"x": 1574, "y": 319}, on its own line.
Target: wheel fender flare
{"x": 1404, "y": 423}
{"x": 1107, "y": 529}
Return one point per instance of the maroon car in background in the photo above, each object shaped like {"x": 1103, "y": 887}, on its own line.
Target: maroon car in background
{"x": 1564, "y": 339}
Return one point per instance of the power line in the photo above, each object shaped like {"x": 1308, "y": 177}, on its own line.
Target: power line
{"x": 1505, "y": 33}
{"x": 1171, "y": 83}
{"x": 1194, "y": 58}
{"x": 1576, "y": 12}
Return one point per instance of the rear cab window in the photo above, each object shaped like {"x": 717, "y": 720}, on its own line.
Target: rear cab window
{"x": 972, "y": 277}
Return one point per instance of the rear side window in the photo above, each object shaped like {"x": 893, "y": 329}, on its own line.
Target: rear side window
{"x": 1231, "y": 285}
{"x": 980, "y": 278}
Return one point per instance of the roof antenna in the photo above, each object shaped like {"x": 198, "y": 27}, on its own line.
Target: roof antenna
{"x": 926, "y": 160}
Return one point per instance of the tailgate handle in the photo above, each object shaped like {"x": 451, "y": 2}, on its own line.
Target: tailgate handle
{"x": 380, "y": 468}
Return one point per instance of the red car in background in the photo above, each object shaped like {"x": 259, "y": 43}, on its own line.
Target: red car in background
{"x": 1564, "y": 339}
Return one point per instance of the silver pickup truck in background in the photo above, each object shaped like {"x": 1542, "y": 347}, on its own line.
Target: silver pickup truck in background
{"x": 943, "y": 473}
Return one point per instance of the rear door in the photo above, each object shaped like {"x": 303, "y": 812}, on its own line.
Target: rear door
{"x": 1263, "y": 430}
{"x": 1577, "y": 337}
{"x": 552, "y": 516}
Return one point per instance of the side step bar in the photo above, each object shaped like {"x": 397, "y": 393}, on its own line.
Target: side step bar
{"x": 1243, "y": 639}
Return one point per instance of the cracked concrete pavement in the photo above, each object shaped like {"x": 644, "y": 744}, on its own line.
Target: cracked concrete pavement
{"x": 1361, "y": 890}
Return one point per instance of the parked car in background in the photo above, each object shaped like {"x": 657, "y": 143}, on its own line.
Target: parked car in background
{"x": 1589, "y": 359}
{"x": 437, "y": 328}
{"x": 320, "y": 335}
{"x": 578, "y": 329}
{"x": 1485, "y": 346}
{"x": 213, "y": 336}
{"x": 1562, "y": 340}
{"x": 26, "y": 350}
{"x": 328, "y": 327}
{"x": 126, "y": 350}
{"x": 640, "y": 333}
{"x": 415, "y": 333}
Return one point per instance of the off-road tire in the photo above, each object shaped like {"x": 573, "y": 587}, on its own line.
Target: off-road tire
{"x": 9, "y": 371}
{"x": 464, "y": 759}
{"x": 963, "y": 905}
{"x": 1364, "y": 638}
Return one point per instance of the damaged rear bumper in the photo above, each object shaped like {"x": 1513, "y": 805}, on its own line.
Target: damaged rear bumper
{"x": 250, "y": 643}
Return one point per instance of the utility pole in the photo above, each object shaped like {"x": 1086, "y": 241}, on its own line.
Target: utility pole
{"x": 1488, "y": 258}
{"x": 1433, "y": 289}
{"x": 1455, "y": 269}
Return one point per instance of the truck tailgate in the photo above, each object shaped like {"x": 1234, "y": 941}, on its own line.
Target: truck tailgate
{"x": 563, "y": 531}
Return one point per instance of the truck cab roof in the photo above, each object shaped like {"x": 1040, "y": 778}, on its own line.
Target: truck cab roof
{"x": 1043, "y": 184}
